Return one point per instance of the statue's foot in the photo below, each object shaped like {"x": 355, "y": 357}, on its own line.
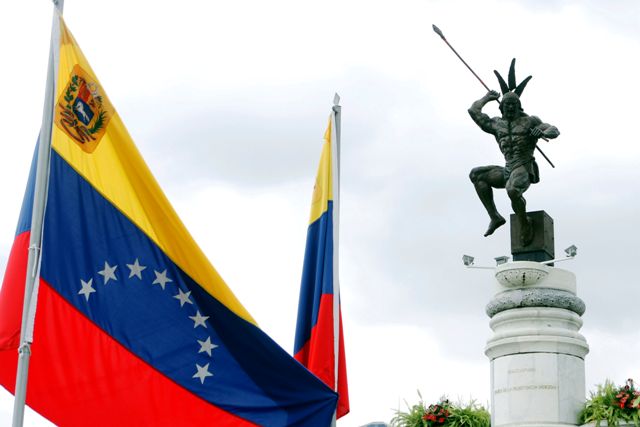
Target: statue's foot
{"x": 494, "y": 224}
{"x": 526, "y": 237}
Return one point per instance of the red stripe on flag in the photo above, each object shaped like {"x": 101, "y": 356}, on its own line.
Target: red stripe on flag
{"x": 343, "y": 390}
{"x": 318, "y": 353}
{"x": 12, "y": 293}
{"x": 80, "y": 376}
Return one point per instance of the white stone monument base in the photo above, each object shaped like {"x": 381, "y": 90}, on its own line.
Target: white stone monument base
{"x": 536, "y": 351}
{"x": 537, "y": 390}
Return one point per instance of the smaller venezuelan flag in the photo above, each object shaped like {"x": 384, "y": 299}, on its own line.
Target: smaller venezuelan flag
{"x": 319, "y": 343}
{"x": 134, "y": 326}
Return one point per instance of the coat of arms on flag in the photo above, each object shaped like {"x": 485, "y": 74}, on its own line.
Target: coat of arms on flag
{"x": 83, "y": 111}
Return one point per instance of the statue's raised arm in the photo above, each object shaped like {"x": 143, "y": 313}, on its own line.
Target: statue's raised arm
{"x": 481, "y": 119}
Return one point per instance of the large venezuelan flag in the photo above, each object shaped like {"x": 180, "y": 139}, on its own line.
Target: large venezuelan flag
{"x": 133, "y": 324}
{"x": 319, "y": 343}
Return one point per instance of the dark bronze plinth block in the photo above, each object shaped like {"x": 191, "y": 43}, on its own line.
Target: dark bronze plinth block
{"x": 542, "y": 246}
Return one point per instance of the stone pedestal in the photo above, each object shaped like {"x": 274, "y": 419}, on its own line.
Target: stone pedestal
{"x": 536, "y": 351}
{"x": 542, "y": 246}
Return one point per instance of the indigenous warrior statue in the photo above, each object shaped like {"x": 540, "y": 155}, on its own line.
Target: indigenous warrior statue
{"x": 517, "y": 134}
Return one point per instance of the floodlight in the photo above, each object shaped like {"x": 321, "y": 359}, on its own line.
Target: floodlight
{"x": 501, "y": 259}
{"x": 571, "y": 251}
{"x": 467, "y": 260}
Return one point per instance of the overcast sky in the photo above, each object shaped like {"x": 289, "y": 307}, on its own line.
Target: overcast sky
{"x": 228, "y": 102}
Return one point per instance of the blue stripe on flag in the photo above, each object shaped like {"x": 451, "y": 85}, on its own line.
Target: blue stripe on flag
{"x": 317, "y": 275}
{"x": 162, "y": 321}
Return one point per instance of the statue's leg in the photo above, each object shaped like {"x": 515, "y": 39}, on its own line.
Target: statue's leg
{"x": 516, "y": 185}
{"x": 484, "y": 179}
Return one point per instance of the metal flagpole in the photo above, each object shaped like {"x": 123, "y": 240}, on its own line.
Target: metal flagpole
{"x": 335, "y": 178}
{"x": 37, "y": 217}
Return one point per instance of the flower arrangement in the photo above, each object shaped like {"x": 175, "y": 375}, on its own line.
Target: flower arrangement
{"x": 436, "y": 415}
{"x": 443, "y": 413}
{"x": 628, "y": 397}
{"x": 612, "y": 404}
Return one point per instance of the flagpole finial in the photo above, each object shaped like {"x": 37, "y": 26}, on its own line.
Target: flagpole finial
{"x": 59, "y": 4}
{"x": 336, "y": 99}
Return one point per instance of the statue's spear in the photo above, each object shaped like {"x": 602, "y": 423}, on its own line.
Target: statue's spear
{"x": 438, "y": 32}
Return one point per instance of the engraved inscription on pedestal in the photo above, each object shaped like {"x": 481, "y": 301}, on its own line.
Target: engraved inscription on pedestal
{"x": 535, "y": 388}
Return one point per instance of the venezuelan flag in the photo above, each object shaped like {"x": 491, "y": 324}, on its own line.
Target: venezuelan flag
{"x": 133, "y": 325}
{"x": 319, "y": 343}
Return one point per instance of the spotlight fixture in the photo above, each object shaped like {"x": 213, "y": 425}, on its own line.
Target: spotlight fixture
{"x": 570, "y": 253}
{"x": 501, "y": 259}
{"x": 467, "y": 260}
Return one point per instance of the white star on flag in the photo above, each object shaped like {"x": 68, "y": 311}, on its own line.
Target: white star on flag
{"x": 183, "y": 297}
{"x": 161, "y": 279}
{"x": 206, "y": 346}
{"x": 136, "y": 269}
{"x": 87, "y": 289}
{"x": 108, "y": 272}
{"x": 203, "y": 372}
{"x": 199, "y": 319}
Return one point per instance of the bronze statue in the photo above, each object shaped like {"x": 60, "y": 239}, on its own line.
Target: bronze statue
{"x": 517, "y": 134}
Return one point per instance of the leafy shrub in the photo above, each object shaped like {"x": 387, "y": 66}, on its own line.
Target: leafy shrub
{"x": 444, "y": 414}
{"x": 612, "y": 404}
{"x": 470, "y": 415}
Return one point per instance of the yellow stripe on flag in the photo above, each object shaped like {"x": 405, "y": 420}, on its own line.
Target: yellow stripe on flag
{"x": 108, "y": 159}
{"x": 323, "y": 188}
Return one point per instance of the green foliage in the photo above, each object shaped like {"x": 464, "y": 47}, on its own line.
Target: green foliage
{"x": 411, "y": 418}
{"x": 443, "y": 414}
{"x": 612, "y": 404}
{"x": 471, "y": 415}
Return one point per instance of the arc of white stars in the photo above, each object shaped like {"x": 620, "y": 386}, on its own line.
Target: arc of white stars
{"x": 161, "y": 279}
{"x": 87, "y": 289}
{"x": 135, "y": 269}
{"x": 202, "y": 373}
{"x": 199, "y": 320}
{"x": 206, "y": 346}
{"x": 109, "y": 272}
{"x": 183, "y": 297}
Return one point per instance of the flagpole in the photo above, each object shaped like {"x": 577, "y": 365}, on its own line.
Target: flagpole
{"x": 335, "y": 149}
{"x": 37, "y": 221}
{"x": 337, "y": 110}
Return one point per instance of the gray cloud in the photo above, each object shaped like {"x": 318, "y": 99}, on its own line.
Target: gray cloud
{"x": 409, "y": 211}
